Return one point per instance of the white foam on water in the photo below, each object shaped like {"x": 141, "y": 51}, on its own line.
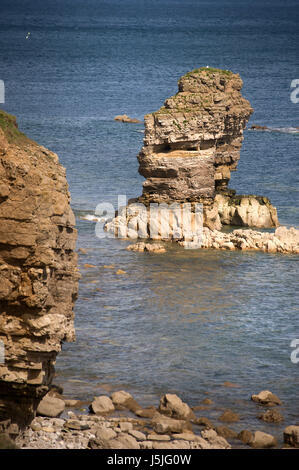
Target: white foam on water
{"x": 91, "y": 218}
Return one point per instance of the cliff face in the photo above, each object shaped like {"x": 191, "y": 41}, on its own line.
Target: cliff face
{"x": 38, "y": 269}
{"x": 193, "y": 143}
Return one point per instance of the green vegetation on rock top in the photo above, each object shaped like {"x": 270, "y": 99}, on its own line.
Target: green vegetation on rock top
{"x": 8, "y": 124}
{"x": 209, "y": 70}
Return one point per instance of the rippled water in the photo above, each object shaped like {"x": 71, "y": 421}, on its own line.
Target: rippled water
{"x": 185, "y": 321}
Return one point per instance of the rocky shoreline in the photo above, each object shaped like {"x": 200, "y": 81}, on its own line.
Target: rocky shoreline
{"x": 119, "y": 422}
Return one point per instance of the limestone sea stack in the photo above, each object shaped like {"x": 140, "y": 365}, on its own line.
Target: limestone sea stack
{"x": 38, "y": 270}
{"x": 192, "y": 144}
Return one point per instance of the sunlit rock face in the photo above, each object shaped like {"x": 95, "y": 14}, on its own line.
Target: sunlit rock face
{"x": 38, "y": 270}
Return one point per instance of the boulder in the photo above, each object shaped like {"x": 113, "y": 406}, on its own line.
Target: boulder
{"x": 262, "y": 440}
{"x": 50, "y": 406}
{"x": 163, "y": 425}
{"x": 6, "y": 442}
{"x": 216, "y": 441}
{"x": 105, "y": 434}
{"x": 171, "y": 405}
{"x": 123, "y": 441}
{"x": 247, "y": 211}
{"x": 266, "y": 398}
{"x": 146, "y": 412}
{"x": 138, "y": 435}
{"x": 125, "y": 426}
{"x": 120, "y": 398}
{"x": 245, "y": 436}
{"x": 271, "y": 416}
{"x": 102, "y": 405}
{"x": 291, "y": 436}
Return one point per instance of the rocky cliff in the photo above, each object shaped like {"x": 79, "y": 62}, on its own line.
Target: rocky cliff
{"x": 38, "y": 269}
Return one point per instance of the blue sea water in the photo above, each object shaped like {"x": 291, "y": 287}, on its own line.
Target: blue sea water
{"x": 188, "y": 321}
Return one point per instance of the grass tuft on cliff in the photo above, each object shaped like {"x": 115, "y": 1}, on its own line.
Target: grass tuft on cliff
{"x": 8, "y": 123}
{"x": 210, "y": 70}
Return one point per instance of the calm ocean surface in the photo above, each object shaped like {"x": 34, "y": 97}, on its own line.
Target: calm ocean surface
{"x": 187, "y": 321}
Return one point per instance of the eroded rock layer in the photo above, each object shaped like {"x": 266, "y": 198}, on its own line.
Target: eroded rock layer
{"x": 38, "y": 270}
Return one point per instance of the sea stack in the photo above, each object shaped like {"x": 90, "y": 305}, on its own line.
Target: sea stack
{"x": 191, "y": 146}
{"x": 193, "y": 143}
{"x": 38, "y": 270}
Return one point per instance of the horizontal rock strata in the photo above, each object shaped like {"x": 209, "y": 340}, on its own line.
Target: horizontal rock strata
{"x": 38, "y": 273}
{"x": 193, "y": 142}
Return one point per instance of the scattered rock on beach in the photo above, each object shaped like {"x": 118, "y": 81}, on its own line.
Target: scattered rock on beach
{"x": 262, "y": 440}
{"x": 50, "y": 406}
{"x": 120, "y": 398}
{"x": 123, "y": 400}
{"x": 146, "y": 412}
{"x": 163, "y": 425}
{"x": 171, "y": 405}
{"x": 105, "y": 434}
{"x": 124, "y": 441}
{"x": 212, "y": 437}
{"x": 102, "y": 405}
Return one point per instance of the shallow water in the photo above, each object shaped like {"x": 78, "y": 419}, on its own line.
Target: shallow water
{"x": 186, "y": 321}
